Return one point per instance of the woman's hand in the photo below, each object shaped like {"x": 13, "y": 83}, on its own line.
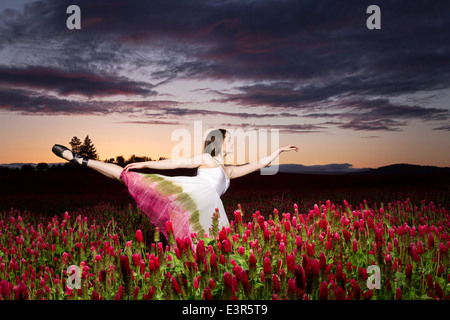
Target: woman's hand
{"x": 135, "y": 165}
{"x": 289, "y": 147}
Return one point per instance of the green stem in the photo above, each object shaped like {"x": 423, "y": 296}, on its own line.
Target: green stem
{"x": 437, "y": 265}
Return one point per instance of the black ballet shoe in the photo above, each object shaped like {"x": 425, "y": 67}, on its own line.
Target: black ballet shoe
{"x": 59, "y": 149}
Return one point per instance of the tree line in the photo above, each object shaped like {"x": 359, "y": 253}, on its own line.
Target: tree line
{"x": 84, "y": 149}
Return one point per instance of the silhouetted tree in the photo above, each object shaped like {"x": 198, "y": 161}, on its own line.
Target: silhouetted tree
{"x": 134, "y": 158}
{"x": 120, "y": 160}
{"x": 75, "y": 143}
{"x": 42, "y": 166}
{"x": 88, "y": 150}
{"x": 56, "y": 167}
{"x": 27, "y": 168}
{"x": 5, "y": 169}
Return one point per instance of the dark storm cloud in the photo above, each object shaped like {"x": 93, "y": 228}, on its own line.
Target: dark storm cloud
{"x": 66, "y": 83}
{"x": 313, "y": 57}
{"x": 361, "y": 113}
{"x": 257, "y": 40}
{"x": 23, "y": 101}
{"x": 383, "y": 108}
{"x": 32, "y": 102}
{"x": 295, "y": 96}
{"x": 372, "y": 125}
{"x": 286, "y": 128}
{"x": 445, "y": 127}
{"x": 202, "y": 112}
{"x": 154, "y": 122}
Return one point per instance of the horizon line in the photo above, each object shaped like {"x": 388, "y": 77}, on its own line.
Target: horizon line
{"x": 349, "y": 166}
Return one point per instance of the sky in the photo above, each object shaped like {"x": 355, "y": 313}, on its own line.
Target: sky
{"x": 137, "y": 71}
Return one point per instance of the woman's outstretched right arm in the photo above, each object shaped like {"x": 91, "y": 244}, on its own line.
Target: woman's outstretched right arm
{"x": 167, "y": 164}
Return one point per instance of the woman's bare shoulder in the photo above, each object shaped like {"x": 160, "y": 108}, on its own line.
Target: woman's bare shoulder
{"x": 207, "y": 161}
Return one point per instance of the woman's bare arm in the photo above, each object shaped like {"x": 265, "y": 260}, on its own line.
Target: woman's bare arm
{"x": 239, "y": 171}
{"x": 167, "y": 164}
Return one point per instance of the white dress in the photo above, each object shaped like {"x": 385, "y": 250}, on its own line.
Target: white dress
{"x": 187, "y": 201}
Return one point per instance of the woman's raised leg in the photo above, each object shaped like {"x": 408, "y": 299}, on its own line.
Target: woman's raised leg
{"x": 110, "y": 170}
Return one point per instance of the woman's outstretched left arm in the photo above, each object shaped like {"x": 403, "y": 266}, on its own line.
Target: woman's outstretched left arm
{"x": 239, "y": 171}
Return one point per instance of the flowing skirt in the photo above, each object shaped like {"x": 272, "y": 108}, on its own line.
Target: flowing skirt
{"x": 187, "y": 201}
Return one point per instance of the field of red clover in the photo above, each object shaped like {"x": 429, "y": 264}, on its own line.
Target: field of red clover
{"x": 324, "y": 252}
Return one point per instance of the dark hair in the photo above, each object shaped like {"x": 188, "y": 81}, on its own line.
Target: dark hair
{"x": 214, "y": 141}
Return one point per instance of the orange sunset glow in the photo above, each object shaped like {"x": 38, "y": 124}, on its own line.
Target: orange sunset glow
{"x": 341, "y": 92}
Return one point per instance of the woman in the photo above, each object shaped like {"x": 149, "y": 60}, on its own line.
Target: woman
{"x": 187, "y": 201}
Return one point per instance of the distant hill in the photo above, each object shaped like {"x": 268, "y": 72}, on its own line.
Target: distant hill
{"x": 329, "y": 169}
{"x": 19, "y": 165}
{"x": 333, "y": 168}
{"x": 346, "y": 168}
{"x": 404, "y": 168}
